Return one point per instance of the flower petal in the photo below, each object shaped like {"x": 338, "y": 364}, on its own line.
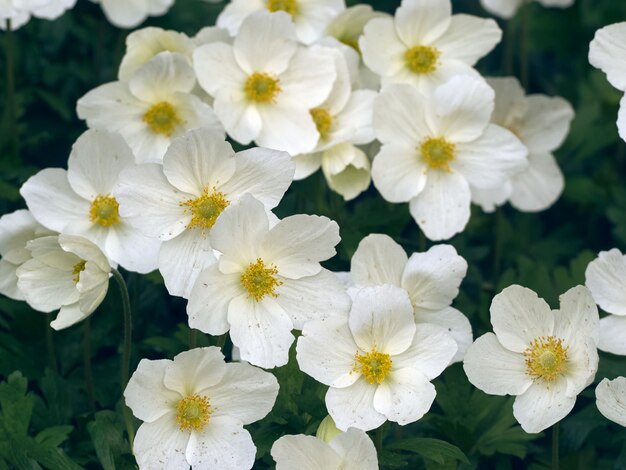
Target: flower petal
{"x": 400, "y": 116}
{"x": 611, "y": 399}
{"x": 538, "y": 186}
{"x": 542, "y": 405}
{"x": 195, "y": 370}
{"x": 546, "y": 123}
{"x": 605, "y": 51}
{"x": 469, "y": 38}
{"x": 383, "y": 51}
{"x": 454, "y": 322}
{"x": 613, "y": 335}
{"x": 161, "y": 444}
{"x": 353, "y": 406}
{"x": 378, "y": 260}
{"x": 606, "y": 279}
{"x": 398, "y": 172}
{"x": 405, "y": 396}
{"x": 420, "y": 22}
{"x": 304, "y": 453}
{"x": 578, "y": 315}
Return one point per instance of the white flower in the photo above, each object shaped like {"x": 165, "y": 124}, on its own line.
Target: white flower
{"x": 541, "y": 123}
{"x": 16, "y": 229}
{"x": 264, "y": 84}
{"x": 377, "y": 362}
{"x": 431, "y": 280}
{"x": 125, "y": 14}
{"x": 611, "y": 399}
{"x": 194, "y": 409}
{"x": 544, "y": 357}
{"x": 606, "y": 52}
{"x": 351, "y": 450}
{"x": 152, "y": 108}
{"x": 507, "y": 8}
{"x": 20, "y": 11}
{"x": 310, "y": 17}
{"x": 424, "y": 45}
{"x": 605, "y": 277}
{"x": 267, "y": 281}
{"x": 80, "y": 201}
{"x": 435, "y": 147}
{"x": 66, "y": 272}
{"x": 178, "y": 202}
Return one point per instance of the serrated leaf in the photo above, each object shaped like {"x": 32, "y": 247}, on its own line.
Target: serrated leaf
{"x": 432, "y": 449}
{"x": 107, "y": 438}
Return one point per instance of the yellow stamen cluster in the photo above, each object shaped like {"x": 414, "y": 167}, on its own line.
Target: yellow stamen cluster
{"x": 162, "y": 118}
{"x": 546, "y": 358}
{"x": 374, "y": 366}
{"x": 323, "y": 121}
{"x": 438, "y": 153}
{"x": 288, "y": 6}
{"x": 78, "y": 268}
{"x": 260, "y": 280}
{"x": 206, "y": 208}
{"x": 262, "y": 88}
{"x": 193, "y": 413}
{"x": 422, "y": 59}
{"x": 104, "y": 211}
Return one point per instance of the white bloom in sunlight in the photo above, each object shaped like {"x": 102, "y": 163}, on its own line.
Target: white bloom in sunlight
{"x": 16, "y": 229}
{"x": 80, "y": 201}
{"x": 125, "y": 14}
{"x": 65, "y": 273}
{"x": 508, "y": 8}
{"x": 351, "y": 450}
{"x": 544, "y": 357}
{"x": 605, "y": 277}
{"x": 606, "y": 52}
{"x": 267, "y": 281}
{"x": 541, "y": 123}
{"x": 194, "y": 409}
{"x": 178, "y": 202}
{"x": 310, "y": 17}
{"x": 20, "y": 11}
{"x": 425, "y": 45}
{"x": 431, "y": 279}
{"x": 436, "y": 146}
{"x": 611, "y": 399}
{"x": 377, "y": 361}
{"x": 264, "y": 84}
{"x": 152, "y": 108}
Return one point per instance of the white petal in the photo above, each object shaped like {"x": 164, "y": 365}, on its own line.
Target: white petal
{"x": 542, "y": 405}
{"x": 546, "y": 123}
{"x": 287, "y": 129}
{"x": 405, "y": 396}
{"x": 161, "y": 444}
{"x": 421, "y": 22}
{"x": 241, "y": 120}
{"x": 353, "y": 406}
{"x": 613, "y": 335}
{"x": 357, "y": 449}
{"x": 398, "y": 172}
{"x": 304, "y": 453}
{"x": 400, "y": 116}
{"x": 503, "y": 8}
{"x": 606, "y": 52}
{"x": 583, "y": 359}
{"x": 490, "y": 199}
{"x": 164, "y": 74}
{"x": 611, "y": 399}
{"x": 606, "y": 279}
{"x": 538, "y": 186}
{"x": 313, "y": 17}
{"x": 378, "y": 260}
{"x": 46, "y": 288}
{"x": 621, "y": 118}
{"x": 216, "y": 68}
{"x": 195, "y": 370}
{"x": 352, "y": 180}
{"x": 511, "y": 104}
{"x": 68, "y": 315}
{"x": 127, "y": 14}
{"x": 306, "y": 165}
{"x": 131, "y": 249}
{"x": 383, "y": 51}
{"x": 235, "y": 12}
{"x": 8, "y": 280}
{"x": 454, "y": 322}
{"x": 469, "y": 38}
{"x": 578, "y": 315}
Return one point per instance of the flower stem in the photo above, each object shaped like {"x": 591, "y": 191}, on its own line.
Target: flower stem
{"x": 9, "y": 50}
{"x": 497, "y": 245}
{"x": 524, "y": 66}
{"x": 379, "y": 437}
{"x": 193, "y": 338}
{"x": 51, "y": 350}
{"x": 555, "y": 446}
{"x": 87, "y": 362}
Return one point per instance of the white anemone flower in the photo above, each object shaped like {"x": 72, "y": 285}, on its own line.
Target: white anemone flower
{"x": 310, "y": 17}
{"x": 377, "y": 362}
{"x": 611, "y": 399}
{"x": 16, "y": 230}
{"x": 431, "y": 279}
{"x": 65, "y": 273}
{"x": 351, "y": 450}
{"x": 178, "y": 202}
{"x": 152, "y": 108}
{"x": 541, "y": 123}
{"x": 544, "y": 357}
{"x": 125, "y": 14}
{"x": 424, "y": 45}
{"x": 508, "y": 8}
{"x": 265, "y": 84}
{"x": 194, "y": 409}
{"x": 606, "y": 52}
{"x": 267, "y": 281}
{"x": 20, "y": 11}
{"x": 605, "y": 277}
{"x": 436, "y": 146}
{"x": 80, "y": 201}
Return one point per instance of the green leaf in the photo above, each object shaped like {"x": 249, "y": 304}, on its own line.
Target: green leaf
{"x": 432, "y": 449}
{"x": 16, "y": 405}
{"x": 106, "y": 434}
{"x": 54, "y": 436}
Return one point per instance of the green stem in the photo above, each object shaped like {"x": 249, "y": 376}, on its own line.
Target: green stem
{"x": 379, "y": 436}
{"x": 87, "y": 361}
{"x": 193, "y": 338}
{"x": 497, "y": 245}
{"x": 524, "y": 65}
{"x": 555, "y": 446}
{"x": 422, "y": 241}
{"x": 221, "y": 340}
{"x": 52, "y": 355}
{"x": 11, "y": 105}
{"x": 127, "y": 349}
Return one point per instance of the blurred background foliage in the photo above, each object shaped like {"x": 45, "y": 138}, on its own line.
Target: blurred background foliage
{"x": 48, "y": 417}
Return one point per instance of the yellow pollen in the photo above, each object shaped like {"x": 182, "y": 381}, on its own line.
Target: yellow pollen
{"x": 374, "y": 366}
{"x": 288, "y": 6}
{"x": 104, "y": 211}
{"x": 260, "y": 280}
{"x": 162, "y": 118}
{"x": 78, "y": 268}
{"x": 193, "y": 413}
{"x": 206, "y": 208}
{"x": 323, "y": 121}
{"x": 262, "y": 88}
{"x": 422, "y": 59}
{"x": 438, "y": 153}
{"x": 546, "y": 358}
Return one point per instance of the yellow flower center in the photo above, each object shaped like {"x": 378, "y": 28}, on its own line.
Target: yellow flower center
{"x": 206, "y": 208}
{"x": 104, "y": 211}
{"x": 193, "y": 413}
{"x": 422, "y": 59}
{"x": 288, "y": 6}
{"x": 260, "y": 280}
{"x": 262, "y": 88}
{"x": 162, "y": 118}
{"x": 546, "y": 358}
{"x": 78, "y": 268}
{"x": 438, "y": 153}
{"x": 374, "y": 366}
{"x": 323, "y": 121}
